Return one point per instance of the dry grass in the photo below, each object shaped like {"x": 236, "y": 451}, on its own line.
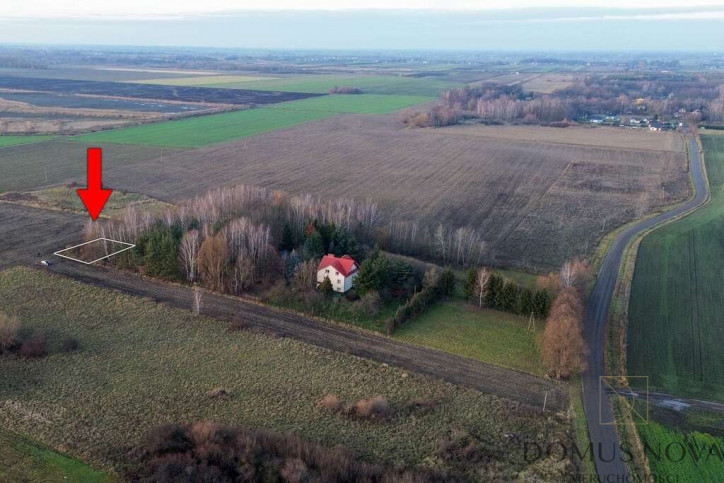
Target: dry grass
{"x": 548, "y": 83}
{"x": 141, "y": 364}
{"x": 537, "y": 201}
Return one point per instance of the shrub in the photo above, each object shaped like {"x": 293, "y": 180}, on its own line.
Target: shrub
{"x": 390, "y": 325}
{"x": 8, "y": 332}
{"x": 370, "y": 304}
{"x": 374, "y": 409}
{"x": 237, "y": 323}
{"x": 219, "y": 393}
{"x": 446, "y": 282}
{"x": 212, "y": 452}
{"x": 34, "y": 347}
{"x": 69, "y": 344}
{"x": 326, "y": 286}
{"x": 169, "y": 438}
{"x": 331, "y": 402}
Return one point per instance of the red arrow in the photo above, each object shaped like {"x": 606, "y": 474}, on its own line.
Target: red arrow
{"x": 94, "y": 197}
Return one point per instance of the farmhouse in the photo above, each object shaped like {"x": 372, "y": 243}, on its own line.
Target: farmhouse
{"x": 341, "y": 271}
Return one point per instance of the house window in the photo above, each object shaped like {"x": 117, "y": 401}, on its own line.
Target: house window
{"x": 326, "y": 270}
{"x": 336, "y": 273}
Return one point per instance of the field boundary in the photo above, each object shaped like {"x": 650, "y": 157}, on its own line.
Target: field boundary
{"x": 615, "y": 353}
{"x": 602, "y": 248}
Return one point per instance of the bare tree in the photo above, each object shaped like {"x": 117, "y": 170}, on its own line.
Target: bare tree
{"x": 563, "y": 345}
{"x": 481, "y": 284}
{"x": 197, "y": 294}
{"x": 189, "y": 253}
{"x": 568, "y": 276}
{"x": 213, "y": 261}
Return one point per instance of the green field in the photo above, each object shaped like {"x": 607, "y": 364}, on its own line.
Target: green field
{"x": 354, "y": 103}
{"x": 141, "y": 364}
{"x": 676, "y": 333}
{"x": 6, "y": 140}
{"x": 709, "y": 467}
{"x": 370, "y": 84}
{"x": 486, "y": 335}
{"x": 23, "y": 460}
{"x": 204, "y": 130}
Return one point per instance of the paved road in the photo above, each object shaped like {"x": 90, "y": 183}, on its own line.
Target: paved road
{"x": 599, "y": 409}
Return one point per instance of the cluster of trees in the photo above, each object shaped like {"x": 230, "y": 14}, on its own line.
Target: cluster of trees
{"x": 490, "y": 289}
{"x": 564, "y": 349}
{"x": 463, "y": 246}
{"x": 225, "y": 239}
{"x": 693, "y": 97}
{"x": 435, "y": 284}
{"x": 345, "y": 90}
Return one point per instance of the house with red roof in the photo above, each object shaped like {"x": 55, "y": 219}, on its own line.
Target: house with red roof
{"x": 340, "y": 270}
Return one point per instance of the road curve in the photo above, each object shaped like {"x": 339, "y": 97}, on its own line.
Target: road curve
{"x": 603, "y": 436}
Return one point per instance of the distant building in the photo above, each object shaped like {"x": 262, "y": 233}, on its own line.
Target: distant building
{"x": 340, "y": 270}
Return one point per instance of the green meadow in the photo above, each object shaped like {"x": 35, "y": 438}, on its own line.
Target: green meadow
{"x": 204, "y": 130}
{"x": 675, "y": 315}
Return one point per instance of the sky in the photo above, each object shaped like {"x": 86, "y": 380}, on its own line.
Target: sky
{"x": 541, "y": 25}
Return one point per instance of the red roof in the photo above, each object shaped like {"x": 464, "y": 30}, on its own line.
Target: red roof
{"x": 344, "y": 265}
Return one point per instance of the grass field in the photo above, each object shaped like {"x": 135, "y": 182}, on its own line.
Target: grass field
{"x": 141, "y": 364}
{"x": 486, "y": 335}
{"x": 205, "y": 130}
{"x": 370, "y": 84}
{"x": 697, "y": 465}
{"x": 14, "y": 140}
{"x": 23, "y": 460}
{"x": 355, "y": 103}
{"x": 675, "y": 315}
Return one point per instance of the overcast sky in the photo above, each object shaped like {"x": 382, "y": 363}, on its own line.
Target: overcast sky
{"x": 371, "y": 24}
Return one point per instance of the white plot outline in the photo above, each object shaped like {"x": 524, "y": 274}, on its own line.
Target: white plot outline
{"x": 58, "y": 253}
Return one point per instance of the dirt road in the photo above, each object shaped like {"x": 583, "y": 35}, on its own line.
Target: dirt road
{"x": 486, "y": 378}
{"x": 598, "y": 410}
{"x": 28, "y": 235}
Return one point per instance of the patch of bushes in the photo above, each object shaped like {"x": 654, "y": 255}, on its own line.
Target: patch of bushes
{"x": 435, "y": 286}
{"x": 345, "y": 90}
{"x": 376, "y": 409}
{"x": 212, "y": 452}
{"x": 69, "y": 344}
{"x": 35, "y": 346}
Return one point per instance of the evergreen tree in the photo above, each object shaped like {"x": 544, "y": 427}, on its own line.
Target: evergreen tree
{"x": 495, "y": 286}
{"x": 326, "y": 286}
{"x": 446, "y": 283}
{"x": 402, "y": 277}
{"x": 287, "y": 241}
{"x": 525, "y": 302}
{"x": 509, "y": 297}
{"x": 374, "y": 274}
{"x": 291, "y": 264}
{"x": 541, "y": 303}
{"x": 313, "y": 246}
{"x": 470, "y": 282}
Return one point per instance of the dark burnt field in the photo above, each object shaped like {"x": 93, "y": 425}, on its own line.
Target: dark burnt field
{"x": 149, "y": 91}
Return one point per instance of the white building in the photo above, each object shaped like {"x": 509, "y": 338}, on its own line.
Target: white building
{"x": 341, "y": 271}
